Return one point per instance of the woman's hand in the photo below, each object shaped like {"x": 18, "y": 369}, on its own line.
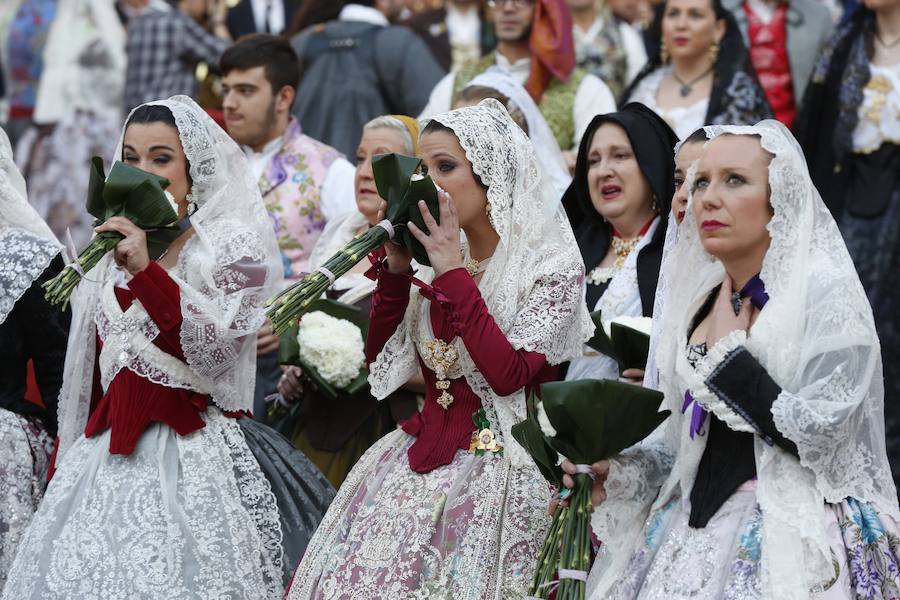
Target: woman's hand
{"x": 266, "y": 340}
{"x": 601, "y": 472}
{"x": 398, "y": 256}
{"x": 722, "y": 320}
{"x": 442, "y": 243}
{"x": 130, "y": 253}
{"x": 290, "y": 386}
{"x": 635, "y": 376}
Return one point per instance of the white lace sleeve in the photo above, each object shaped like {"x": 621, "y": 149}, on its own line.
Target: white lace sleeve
{"x": 545, "y": 323}
{"x": 222, "y": 313}
{"x": 635, "y": 478}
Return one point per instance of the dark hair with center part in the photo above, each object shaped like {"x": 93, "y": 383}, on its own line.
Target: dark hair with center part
{"x": 147, "y": 114}
{"x": 273, "y": 52}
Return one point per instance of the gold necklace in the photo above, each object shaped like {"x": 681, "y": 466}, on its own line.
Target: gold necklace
{"x": 623, "y": 248}
{"x": 474, "y": 267}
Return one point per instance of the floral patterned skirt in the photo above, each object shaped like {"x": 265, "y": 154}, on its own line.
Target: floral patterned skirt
{"x": 25, "y": 451}
{"x": 470, "y": 530}
{"x": 723, "y": 559}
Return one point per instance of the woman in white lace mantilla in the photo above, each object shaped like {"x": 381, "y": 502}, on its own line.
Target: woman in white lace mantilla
{"x": 770, "y": 479}
{"x": 31, "y": 330}
{"x": 159, "y": 492}
{"x": 433, "y": 510}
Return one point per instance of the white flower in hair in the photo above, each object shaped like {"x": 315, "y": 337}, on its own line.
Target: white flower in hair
{"x": 334, "y": 347}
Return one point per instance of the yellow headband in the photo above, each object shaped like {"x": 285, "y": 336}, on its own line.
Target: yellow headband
{"x": 412, "y": 126}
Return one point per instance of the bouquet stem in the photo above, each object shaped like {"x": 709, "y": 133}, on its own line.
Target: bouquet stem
{"x": 295, "y": 300}
{"x": 548, "y": 558}
{"x": 575, "y": 553}
{"x": 60, "y": 288}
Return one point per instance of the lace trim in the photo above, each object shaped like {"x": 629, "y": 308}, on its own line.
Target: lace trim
{"x": 128, "y": 343}
{"x": 23, "y": 257}
{"x": 705, "y": 367}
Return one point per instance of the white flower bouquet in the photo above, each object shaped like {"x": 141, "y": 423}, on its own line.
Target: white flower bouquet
{"x": 328, "y": 344}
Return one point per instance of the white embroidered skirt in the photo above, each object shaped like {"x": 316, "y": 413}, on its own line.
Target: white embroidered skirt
{"x": 181, "y": 518}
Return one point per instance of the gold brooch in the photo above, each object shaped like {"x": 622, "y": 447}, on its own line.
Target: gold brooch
{"x": 440, "y": 358}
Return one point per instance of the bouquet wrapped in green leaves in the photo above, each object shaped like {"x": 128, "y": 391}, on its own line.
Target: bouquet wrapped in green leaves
{"x": 328, "y": 345}
{"x": 586, "y": 421}
{"x": 127, "y": 192}
{"x": 625, "y": 339}
{"x": 398, "y": 182}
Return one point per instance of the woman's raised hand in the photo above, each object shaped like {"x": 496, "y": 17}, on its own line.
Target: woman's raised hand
{"x": 398, "y": 256}
{"x": 130, "y": 253}
{"x": 442, "y": 241}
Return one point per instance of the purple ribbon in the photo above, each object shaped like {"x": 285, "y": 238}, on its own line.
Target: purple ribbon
{"x": 698, "y": 414}
{"x": 755, "y": 289}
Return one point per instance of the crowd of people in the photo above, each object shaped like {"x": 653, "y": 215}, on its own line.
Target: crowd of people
{"x": 728, "y": 168}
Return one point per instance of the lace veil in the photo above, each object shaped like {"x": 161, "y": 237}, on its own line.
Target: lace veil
{"x": 26, "y": 243}
{"x": 533, "y": 284}
{"x": 225, "y": 272}
{"x": 816, "y": 338}
{"x": 556, "y": 178}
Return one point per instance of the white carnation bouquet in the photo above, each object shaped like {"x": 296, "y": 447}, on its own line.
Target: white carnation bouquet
{"x": 333, "y": 347}
{"x": 328, "y": 344}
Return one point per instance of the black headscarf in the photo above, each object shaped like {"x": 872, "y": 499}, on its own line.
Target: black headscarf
{"x": 653, "y": 142}
{"x": 737, "y": 98}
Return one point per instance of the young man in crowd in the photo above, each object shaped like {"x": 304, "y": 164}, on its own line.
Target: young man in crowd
{"x": 304, "y": 183}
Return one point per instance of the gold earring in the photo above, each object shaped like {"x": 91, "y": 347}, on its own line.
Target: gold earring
{"x": 487, "y": 208}
{"x": 663, "y": 54}
{"x": 714, "y": 51}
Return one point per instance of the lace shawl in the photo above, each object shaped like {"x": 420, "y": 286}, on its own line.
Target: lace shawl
{"x": 532, "y": 285}
{"x": 26, "y": 243}
{"x": 816, "y": 338}
{"x": 224, "y": 272}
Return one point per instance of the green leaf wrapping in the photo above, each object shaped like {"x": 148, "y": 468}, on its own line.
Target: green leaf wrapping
{"x": 628, "y": 347}
{"x": 393, "y": 173}
{"x": 127, "y": 192}
{"x": 529, "y": 435}
{"x": 596, "y": 419}
{"x": 289, "y": 349}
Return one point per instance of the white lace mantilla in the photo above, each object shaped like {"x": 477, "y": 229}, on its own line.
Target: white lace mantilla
{"x": 23, "y": 257}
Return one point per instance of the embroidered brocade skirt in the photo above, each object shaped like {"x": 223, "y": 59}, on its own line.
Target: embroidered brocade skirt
{"x": 470, "y": 530}
{"x": 182, "y": 517}
{"x": 25, "y": 451}
{"x": 723, "y": 559}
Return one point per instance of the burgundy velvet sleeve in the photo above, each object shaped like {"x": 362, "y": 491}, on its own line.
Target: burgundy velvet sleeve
{"x": 506, "y": 370}
{"x": 160, "y": 296}
{"x": 389, "y": 302}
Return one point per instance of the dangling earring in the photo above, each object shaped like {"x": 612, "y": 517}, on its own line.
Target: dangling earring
{"x": 487, "y": 208}
{"x": 663, "y": 54}
{"x": 714, "y": 52}
{"x": 653, "y": 205}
